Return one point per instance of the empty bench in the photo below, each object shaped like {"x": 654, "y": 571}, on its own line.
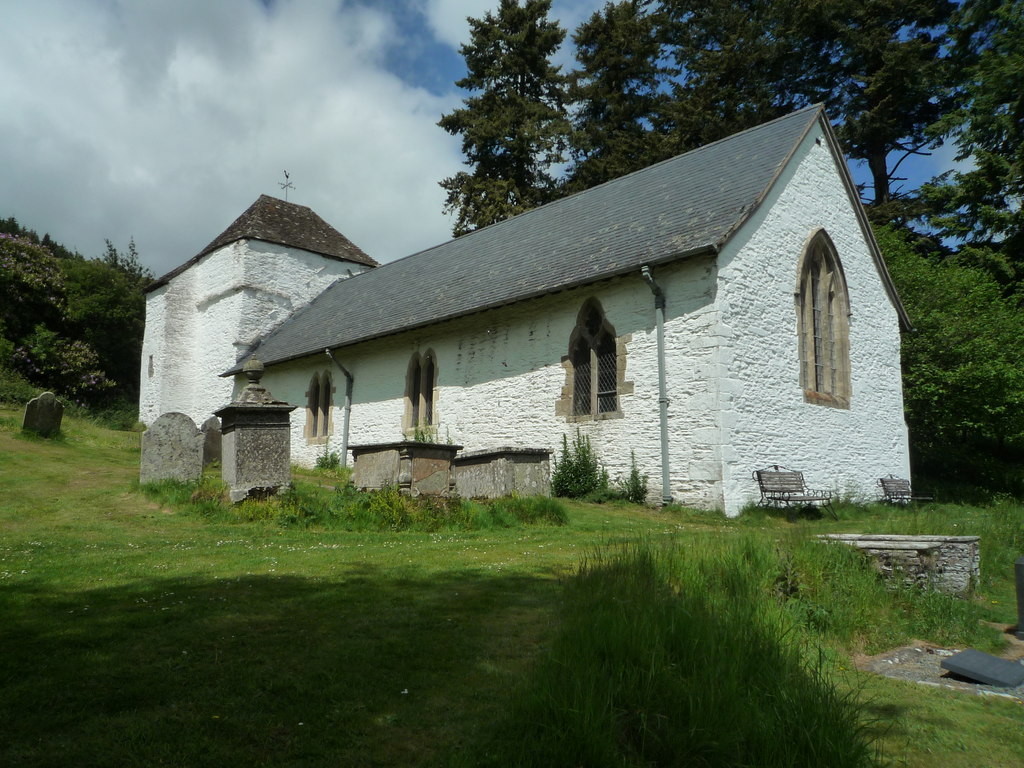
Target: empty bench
{"x": 896, "y": 490}
{"x": 781, "y": 487}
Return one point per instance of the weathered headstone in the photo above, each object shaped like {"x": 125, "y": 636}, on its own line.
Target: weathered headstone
{"x": 985, "y": 668}
{"x": 211, "y": 440}
{"x": 43, "y": 415}
{"x": 172, "y": 449}
{"x": 257, "y": 440}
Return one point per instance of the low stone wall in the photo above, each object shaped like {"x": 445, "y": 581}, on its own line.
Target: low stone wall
{"x": 949, "y": 564}
{"x": 498, "y": 472}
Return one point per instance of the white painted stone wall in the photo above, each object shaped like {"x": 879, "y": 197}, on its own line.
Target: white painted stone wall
{"x": 764, "y": 419}
{"x": 202, "y": 320}
{"x": 500, "y": 376}
{"x": 732, "y": 360}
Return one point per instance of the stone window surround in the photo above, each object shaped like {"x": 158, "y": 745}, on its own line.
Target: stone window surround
{"x": 819, "y": 252}
{"x": 314, "y": 399}
{"x": 417, "y": 385}
{"x": 564, "y": 405}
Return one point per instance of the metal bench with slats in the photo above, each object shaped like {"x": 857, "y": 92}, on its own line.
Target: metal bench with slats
{"x": 896, "y": 490}
{"x": 781, "y": 487}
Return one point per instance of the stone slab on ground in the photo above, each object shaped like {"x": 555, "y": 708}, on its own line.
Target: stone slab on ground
{"x": 985, "y": 668}
{"x": 43, "y": 415}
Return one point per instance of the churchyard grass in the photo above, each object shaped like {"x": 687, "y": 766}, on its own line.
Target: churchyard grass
{"x": 133, "y": 632}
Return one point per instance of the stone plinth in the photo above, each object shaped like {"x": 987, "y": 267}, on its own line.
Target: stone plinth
{"x": 255, "y": 440}
{"x": 489, "y": 474}
{"x": 415, "y": 468}
{"x": 172, "y": 449}
{"x": 949, "y": 564}
{"x": 43, "y": 415}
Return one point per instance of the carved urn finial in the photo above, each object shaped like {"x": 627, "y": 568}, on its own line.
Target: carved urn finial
{"x": 253, "y": 370}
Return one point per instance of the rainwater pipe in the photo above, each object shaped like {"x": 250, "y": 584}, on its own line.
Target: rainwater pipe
{"x": 347, "y": 410}
{"x": 659, "y": 314}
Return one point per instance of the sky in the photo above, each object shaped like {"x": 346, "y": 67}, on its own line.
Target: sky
{"x": 163, "y": 120}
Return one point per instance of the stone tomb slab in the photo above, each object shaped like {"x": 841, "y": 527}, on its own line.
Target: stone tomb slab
{"x": 172, "y": 449}
{"x": 985, "y": 668}
{"x": 43, "y": 415}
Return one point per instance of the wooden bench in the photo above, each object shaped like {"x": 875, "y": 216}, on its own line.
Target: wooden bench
{"x": 781, "y": 487}
{"x": 896, "y": 490}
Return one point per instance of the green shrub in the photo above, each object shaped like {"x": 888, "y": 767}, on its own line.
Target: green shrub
{"x": 15, "y": 388}
{"x": 578, "y": 473}
{"x": 329, "y": 461}
{"x": 634, "y": 487}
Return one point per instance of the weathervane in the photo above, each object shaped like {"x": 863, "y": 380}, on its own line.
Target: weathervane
{"x": 286, "y": 185}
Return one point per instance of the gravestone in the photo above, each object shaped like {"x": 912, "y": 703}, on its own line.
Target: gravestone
{"x": 43, "y": 415}
{"x": 257, "y": 440}
{"x": 211, "y": 441}
{"x": 172, "y": 449}
{"x": 985, "y": 668}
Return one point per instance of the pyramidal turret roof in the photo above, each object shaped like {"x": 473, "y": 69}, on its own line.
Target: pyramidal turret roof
{"x": 283, "y": 223}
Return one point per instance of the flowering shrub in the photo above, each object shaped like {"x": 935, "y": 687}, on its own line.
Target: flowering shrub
{"x": 67, "y": 367}
{"x": 31, "y": 285}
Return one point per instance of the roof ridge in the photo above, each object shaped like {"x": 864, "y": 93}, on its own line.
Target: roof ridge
{"x": 819, "y": 106}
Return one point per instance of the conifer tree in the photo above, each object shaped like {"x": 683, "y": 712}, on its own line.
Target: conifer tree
{"x": 981, "y": 208}
{"x": 890, "y": 81}
{"x": 879, "y": 65}
{"x": 514, "y": 126}
{"x": 738, "y": 63}
{"x": 617, "y": 93}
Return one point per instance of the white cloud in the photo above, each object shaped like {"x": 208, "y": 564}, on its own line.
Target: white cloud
{"x": 163, "y": 121}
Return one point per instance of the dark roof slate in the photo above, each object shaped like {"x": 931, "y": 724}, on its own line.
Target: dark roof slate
{"x": 284, "y": 223}
{"x": 687, "y": 204}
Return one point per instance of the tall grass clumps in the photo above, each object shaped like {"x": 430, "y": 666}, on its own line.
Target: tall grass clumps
{"x": 304, "y": 505}
{"x": 674, "y": 657}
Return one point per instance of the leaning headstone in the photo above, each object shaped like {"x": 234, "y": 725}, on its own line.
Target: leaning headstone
{"x": 985, "y": 668}
{"x": 43, "y": 415}
{"x": 211, "y": 441}
{"x": 172, "y": 449}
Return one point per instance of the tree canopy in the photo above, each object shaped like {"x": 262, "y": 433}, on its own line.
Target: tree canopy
{"x": 514, "y": 126}
{"x": 70, "y": 324}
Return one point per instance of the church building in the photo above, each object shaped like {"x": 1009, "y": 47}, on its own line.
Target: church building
{"x": 712, "y": 314}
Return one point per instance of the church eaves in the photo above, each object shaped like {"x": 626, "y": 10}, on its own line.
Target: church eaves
{"x": 277, "y": 221}
{"x": 689, "y": 204}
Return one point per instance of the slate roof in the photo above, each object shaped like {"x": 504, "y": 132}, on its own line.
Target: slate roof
{"x": 278, "y": 221}
{"x": 686, "y": 205}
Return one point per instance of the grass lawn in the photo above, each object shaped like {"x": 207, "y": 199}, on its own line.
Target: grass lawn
{"x": 136, "y": 635}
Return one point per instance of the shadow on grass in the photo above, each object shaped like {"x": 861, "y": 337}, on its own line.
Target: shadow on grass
{"x": 263, "y": 670}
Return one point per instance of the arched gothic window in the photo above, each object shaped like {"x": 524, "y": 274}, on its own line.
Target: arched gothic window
{"x": 593, "y": 357}
{"x": 421, "y": 380}
{"x": 318, "y": 407}
{"x": 823, "y": 309}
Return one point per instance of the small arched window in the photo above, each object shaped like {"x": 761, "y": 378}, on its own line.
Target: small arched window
{"x": 318, "y": 407}
{"x": 594, "y": 364}
{"x": 421, "y": 380}
{"x": 823, "y": 313}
